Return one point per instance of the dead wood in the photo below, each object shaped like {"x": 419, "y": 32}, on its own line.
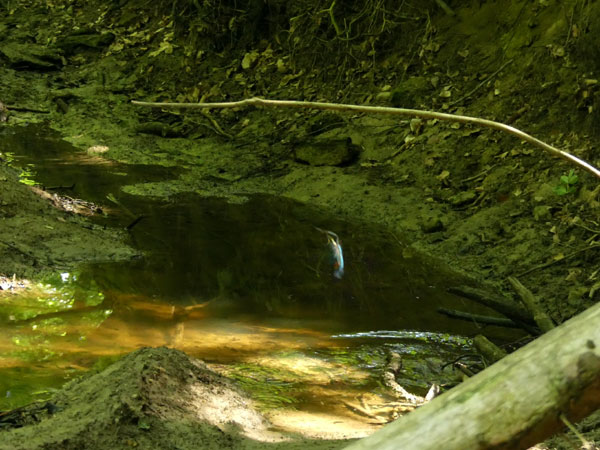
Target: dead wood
{"x": 257, "y": 101}
{"x": 514, "y": 403}
{"x": 393, "y": 367}
{"x": 488, "y": 349}
{"x": 500, "y": 303}
{"x": 478, "y": 318}
{"x": 542, "y": 319}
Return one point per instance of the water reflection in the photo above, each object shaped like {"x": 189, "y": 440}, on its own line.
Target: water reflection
{"x": 265, "y": 257}
{"x": 247, "y": 287}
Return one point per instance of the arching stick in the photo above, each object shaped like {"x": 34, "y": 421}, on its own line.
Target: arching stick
{"x": 256, "y": 101}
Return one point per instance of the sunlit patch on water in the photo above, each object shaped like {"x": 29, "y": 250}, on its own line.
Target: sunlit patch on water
{"x": 58, "y": 330}
{"x": 409, "y": 335}
{"x": 249, "y": 288}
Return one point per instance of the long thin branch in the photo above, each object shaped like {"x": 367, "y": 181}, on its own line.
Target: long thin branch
{"x": 256, "y": 101}
{"x": 478, "y": 318}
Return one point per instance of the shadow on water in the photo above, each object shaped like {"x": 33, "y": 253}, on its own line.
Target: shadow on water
{"x": 265, "y": 257}
{"x": 43, "y": 156}
{"x": 247, "y": 285}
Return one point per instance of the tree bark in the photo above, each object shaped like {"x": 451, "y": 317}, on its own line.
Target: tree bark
{"x": 513, "y": 404}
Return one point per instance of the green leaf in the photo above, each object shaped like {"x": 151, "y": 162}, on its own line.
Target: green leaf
{"x": 572, "y": 178}
{"x": 560, "y": 190}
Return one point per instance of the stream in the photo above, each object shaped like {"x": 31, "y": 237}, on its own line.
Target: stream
{"x": 249, "y": 288}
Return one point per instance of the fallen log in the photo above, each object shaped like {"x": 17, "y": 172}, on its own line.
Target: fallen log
{"x": 513, "y": 404}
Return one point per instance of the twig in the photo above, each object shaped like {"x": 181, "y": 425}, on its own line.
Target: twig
{"x": 497, "y": 302}
{"x": 555, "y": 261}
{"x": 60, "y": 187}
{"x": 477, "y": 318}
{"x": 134, "y": 222}
{"x": 398, "y": 151}
{"x": 480, "y": 174}
{"x": 332, "y": 18}
{"x": 591, "y": 230}
{"x": 517, "y": 114}
{"x": 472, "y": 91}
{"x": 584, "y": 442}
{"x": 500, "y": 303}
{"x": 457, "y": 359}
{"x": 442, "y": 4}
{"x": 217, "y": 127}
{"x": 464, "y": 369}
{"x": 542, "y": 319}
{"x": 363, "y": 411}
{"x": 392, "y": 368}
{"x": 256, "y": 101}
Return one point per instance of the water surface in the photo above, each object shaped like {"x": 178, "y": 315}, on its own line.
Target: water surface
{"x": 248, "y": 287}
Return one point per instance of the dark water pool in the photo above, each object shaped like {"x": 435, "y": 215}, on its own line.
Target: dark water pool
{"x": 248, "y": 287}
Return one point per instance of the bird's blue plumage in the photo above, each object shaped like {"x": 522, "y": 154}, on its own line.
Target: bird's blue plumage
{"x": 337, "y": 254}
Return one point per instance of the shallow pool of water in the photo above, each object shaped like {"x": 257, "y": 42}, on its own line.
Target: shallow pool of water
{"x": 247, "y": 287}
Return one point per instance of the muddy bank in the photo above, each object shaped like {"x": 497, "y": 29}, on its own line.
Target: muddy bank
{"x": 37, "y": 238}
{"x": 152, "y": 398}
